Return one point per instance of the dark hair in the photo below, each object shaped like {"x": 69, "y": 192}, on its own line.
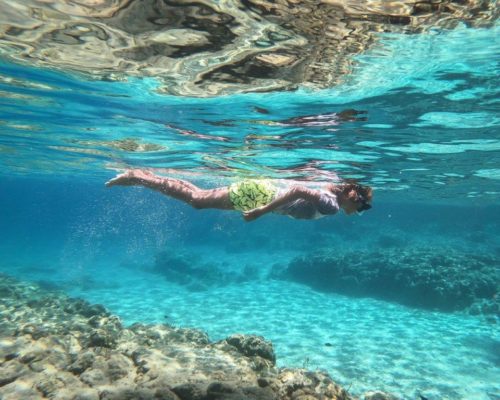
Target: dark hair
{"x": 365, "y": 193}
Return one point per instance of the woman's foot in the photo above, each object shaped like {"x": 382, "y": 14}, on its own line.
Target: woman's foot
{"x": 130, "y": 177}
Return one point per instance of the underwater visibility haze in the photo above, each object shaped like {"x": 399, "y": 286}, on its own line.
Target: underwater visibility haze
{"x": 123, "y": 293}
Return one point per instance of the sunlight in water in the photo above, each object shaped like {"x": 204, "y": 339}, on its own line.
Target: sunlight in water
{"x": 316, "y": 110}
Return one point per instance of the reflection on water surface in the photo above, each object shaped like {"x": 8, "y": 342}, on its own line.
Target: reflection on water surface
{"x": 204, "y": 48}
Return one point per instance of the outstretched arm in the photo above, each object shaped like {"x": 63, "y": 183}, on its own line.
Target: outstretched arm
{"x": 292, "y": 194}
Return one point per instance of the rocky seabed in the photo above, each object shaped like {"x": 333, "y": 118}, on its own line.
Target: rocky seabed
{"x": 55, "y": 347}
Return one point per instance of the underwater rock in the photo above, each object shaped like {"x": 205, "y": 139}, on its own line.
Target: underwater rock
{"x": 10, "y": 372}
{"x": 100, "y": 338}
{"x": 96, "y": 358}
{"x": 251, "y": 345}
{"x": 86, "y": 394}
{"x": 189, "y": 271}
{"x": 379, "y": 396}
{"x": 296, "y": 384}
{"x": 489, "y": 307}
{"x": 189, "y": 391}
{"x": 222, "y": 391}
{"x": 82, "y": 362}
{"x": 420, "y": 277}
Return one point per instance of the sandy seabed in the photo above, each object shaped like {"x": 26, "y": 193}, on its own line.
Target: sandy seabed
{"x": 363, "y": 344}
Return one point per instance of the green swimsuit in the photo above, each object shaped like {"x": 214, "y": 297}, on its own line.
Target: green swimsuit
{"x": 252, "y": 193}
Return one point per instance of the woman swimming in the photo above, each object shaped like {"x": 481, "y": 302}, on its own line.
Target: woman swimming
{"x": 258, "y": 197}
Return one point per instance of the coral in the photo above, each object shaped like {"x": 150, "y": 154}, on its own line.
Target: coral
{"x": 419, "y": 276}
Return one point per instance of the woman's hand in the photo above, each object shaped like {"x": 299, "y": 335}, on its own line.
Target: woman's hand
{"x": 251, "y": 215}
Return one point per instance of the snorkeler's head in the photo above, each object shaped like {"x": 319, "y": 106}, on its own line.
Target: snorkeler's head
{"x": 354, "y": 197}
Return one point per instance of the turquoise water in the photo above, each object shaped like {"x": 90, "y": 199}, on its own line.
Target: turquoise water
{"x": 427, "y": 141}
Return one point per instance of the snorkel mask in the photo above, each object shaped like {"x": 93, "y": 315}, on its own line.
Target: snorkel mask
{"x": 363, "y": 206}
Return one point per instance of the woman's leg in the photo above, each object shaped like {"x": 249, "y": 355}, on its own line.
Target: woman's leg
{"x": 176, "y": 188}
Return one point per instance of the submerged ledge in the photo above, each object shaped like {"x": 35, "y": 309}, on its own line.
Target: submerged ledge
{"x": 53, "y": 346}
{"x": 428, "y": 277}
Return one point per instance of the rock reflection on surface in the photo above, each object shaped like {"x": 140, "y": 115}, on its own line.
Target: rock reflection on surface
{"x": 200, "y": 48}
